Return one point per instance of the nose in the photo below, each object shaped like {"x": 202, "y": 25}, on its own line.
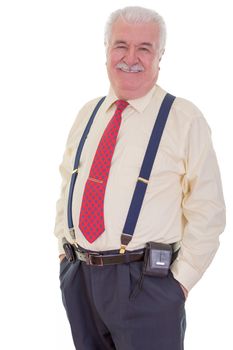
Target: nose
{"x": 131, "y": 56}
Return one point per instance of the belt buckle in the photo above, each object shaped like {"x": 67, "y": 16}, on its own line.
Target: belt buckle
{"x": 89, "y": 260}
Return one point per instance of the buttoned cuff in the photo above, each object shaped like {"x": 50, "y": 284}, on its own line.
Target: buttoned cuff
{"x": 184, "y": 273}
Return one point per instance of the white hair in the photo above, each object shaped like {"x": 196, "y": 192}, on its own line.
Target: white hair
{"x": 136, "y": 14}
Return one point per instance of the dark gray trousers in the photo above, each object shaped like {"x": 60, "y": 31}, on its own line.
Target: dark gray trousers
{"x": 107, "y": 310}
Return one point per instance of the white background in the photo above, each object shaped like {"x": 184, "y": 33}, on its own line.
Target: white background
{"x": 52, "y": 62}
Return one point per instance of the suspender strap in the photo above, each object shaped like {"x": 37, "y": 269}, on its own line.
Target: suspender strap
{"x": 143, "y": 179}
{"x": 76, "y": 164}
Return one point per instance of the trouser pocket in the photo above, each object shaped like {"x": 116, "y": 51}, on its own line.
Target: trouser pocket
{"x": 64, "y": 265}
{"x": 176, "y": 286}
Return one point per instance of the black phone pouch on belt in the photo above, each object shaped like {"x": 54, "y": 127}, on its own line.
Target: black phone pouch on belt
{"x": 157, "y": 259}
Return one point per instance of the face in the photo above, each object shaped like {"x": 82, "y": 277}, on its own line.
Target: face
{"x": 133, "y": 58}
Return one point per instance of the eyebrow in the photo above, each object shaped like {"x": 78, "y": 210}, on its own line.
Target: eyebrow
{"x": 120, "y": 42}
{"x": 124, "y": 42}
{"x": 145, "y": 44}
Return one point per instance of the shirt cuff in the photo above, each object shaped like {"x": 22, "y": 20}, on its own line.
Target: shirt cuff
{"x": 185, "y": 274}
{"x": 60, "y": 246}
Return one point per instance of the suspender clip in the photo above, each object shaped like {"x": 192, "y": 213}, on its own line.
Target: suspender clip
{"x": 122, "y": 249}
{"x": 125, "y": 239}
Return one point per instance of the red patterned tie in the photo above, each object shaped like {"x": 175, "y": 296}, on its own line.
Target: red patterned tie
{"x": 91, "y": 220}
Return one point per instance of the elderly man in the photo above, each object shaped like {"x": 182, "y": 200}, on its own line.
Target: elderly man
{"x": 141, "y": 206}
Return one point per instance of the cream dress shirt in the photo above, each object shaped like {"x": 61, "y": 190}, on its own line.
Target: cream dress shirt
{"x": 184, "y": 200}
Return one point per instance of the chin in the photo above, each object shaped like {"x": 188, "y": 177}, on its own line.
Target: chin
{"x": 128, "y": 94}
{"x": 129, "y": 87}
{"x": 131, "y": 91}
{"x": 129, "y": 84}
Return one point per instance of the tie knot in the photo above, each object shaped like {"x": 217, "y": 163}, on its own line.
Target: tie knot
{"x": 121, "y": 105}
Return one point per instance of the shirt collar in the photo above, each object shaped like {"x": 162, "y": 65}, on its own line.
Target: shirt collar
{"x": 138, "y": 104}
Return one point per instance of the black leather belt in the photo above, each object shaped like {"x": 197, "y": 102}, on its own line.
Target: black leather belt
{"x": 97, "y": 259}
{"x": 74, "y": 252}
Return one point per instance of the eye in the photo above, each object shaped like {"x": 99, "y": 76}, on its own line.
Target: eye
{"x": 145, "y": 49}
{"x": 120, "y": 47}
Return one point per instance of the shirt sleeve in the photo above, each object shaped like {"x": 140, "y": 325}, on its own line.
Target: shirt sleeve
{"x": 61, "y": 220}
{"x": 203, "y": 206}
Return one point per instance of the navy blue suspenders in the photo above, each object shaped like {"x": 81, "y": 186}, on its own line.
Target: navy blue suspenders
{"x": 147, "y": 164}
{"x": 143, "y": 179}
{"x": 75, "y": 169}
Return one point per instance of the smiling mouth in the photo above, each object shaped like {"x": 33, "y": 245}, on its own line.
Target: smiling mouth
{"x": 136, "y": 68}
{"x": 129, "y": 71}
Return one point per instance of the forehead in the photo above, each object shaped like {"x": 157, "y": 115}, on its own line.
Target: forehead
{"x": 135, "y": 32}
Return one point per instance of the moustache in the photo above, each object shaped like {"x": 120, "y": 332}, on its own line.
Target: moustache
{"x": 135, "y": 68}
